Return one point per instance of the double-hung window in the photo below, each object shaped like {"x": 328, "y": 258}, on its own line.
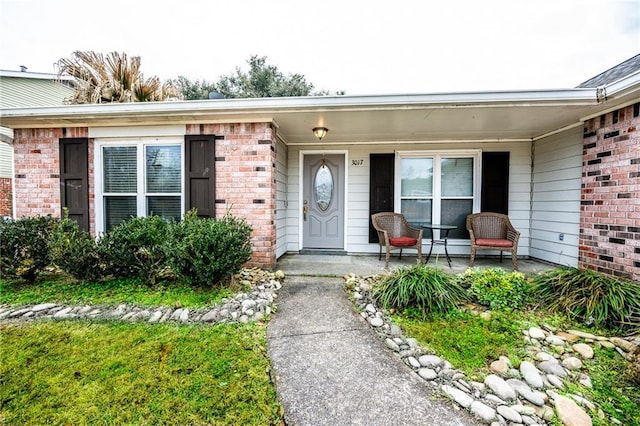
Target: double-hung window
{"x": 138, "y": 179}
{"x": 439, "y": 188}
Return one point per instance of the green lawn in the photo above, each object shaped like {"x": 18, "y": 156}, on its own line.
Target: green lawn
{"x": 60, "y": 289}
{"x": 69, "y": 372}
{"x": 470, "y": 343}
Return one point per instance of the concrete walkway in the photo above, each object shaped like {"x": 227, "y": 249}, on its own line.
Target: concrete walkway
{"x": 331, "y": 369}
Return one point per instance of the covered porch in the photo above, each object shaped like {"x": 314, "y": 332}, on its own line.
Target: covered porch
{"x": 368, "y": 264}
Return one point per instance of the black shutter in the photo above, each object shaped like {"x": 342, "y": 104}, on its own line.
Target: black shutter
{"x": 200, "y": 174}
{"x": 380, "y": 187}
{"x": 495, "y": 182}
{"x": 74, "y": 178}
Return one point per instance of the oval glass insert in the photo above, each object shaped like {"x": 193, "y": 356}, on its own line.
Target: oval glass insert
{"x": 323, "y": 187}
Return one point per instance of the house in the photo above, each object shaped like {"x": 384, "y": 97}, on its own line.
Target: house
{"x": 564, "y": 164}
{"x": 24, "y": 89}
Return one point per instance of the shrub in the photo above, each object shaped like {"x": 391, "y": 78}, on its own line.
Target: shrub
{"x": 427, "y": 289}
{"x": 495, "y": 287}
{"x": 205, "y": 251}
{"x": 75, "y": 251}
{"x": 590, "y": 296}
{"x": 24, "y": 251}
{"x": 135, "y": 248}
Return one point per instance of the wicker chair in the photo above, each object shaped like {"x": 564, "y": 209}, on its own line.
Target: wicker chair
{"x": 395, "y": 233}
{"x": 493, "y": 231}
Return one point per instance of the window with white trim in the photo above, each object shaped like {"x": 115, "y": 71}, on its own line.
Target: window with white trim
{"x": 438, "y": 187}
{"x": 138, "y": 179}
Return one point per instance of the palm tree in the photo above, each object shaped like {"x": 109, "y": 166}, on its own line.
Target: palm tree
{"x": 114, "y": 78}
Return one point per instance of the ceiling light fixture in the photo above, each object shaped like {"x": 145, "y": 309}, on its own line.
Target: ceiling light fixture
{"x": 320, "y": 132}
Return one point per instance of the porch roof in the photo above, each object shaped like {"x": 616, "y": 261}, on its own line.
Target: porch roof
{"x": 471, "y": 116}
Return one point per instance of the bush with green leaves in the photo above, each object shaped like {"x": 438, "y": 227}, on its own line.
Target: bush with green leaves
{"x": 24, "y": 251}
{"x": 204, "y": 251}
{"x": 75, "y": 251}
{"x": 590, "y": 297}
{"x": 421, "y": 287}
{"x": 495, "y": 287}
{"x": 136, "y": 248}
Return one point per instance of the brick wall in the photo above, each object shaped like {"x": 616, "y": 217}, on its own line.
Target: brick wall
{"x": 6, "y": 198}
{"x": 610, "y": 201}
{"x": 37, "y": 170}
{"x": 246, "y": 180}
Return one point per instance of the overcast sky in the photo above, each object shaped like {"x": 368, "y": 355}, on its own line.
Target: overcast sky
{"x": 362, "y": 47}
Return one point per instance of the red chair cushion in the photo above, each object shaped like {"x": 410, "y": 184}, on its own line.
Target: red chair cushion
{"x": 403, "y": 241}
{"x": 493, "y": 242}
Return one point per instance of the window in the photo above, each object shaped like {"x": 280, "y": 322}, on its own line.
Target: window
{"x": 138, "y": 180}
{"x": 438, "y": 188}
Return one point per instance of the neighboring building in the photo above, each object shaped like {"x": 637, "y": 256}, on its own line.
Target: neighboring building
{"x": 19, "y": 89}
{"x": 564, "y": 164}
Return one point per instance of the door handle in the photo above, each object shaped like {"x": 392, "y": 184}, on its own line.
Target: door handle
{"x": 305, "y": 209}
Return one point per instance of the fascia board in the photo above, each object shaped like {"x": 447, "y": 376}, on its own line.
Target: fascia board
{"x": 301, "y": 104}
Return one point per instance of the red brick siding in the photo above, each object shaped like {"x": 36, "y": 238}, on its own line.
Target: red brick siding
{"x": 37, "y": 169}
{"x": 246, "y": 180}
{"x": 6, "y": 198}
{"x": 610, "y": 200}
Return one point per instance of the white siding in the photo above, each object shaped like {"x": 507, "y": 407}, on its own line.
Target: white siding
{"x": 6, "y": 158}
{"x": 281, "y": 198}
{"x": 357, "y": 239}
{"x": 555, "y": 207}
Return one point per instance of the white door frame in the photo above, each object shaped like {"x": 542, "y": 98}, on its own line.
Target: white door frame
{"x": 301, "y": 191}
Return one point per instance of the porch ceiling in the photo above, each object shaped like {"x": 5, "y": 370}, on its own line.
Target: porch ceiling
{"x": 508, "y": 116}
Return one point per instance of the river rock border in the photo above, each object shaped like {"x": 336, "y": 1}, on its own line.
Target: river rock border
{"x": 253, "y": 305}
{"x": 528, "y": 395}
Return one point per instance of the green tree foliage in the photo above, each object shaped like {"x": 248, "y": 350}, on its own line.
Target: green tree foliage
{"x": 114, "y": 77}
{"x": 194, "y": 90}
{"x": 262, "y": 81}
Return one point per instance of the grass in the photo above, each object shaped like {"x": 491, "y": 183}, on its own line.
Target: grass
{"x": 467, "y": 341}
{"x": 58, "y": 288}
{"x": 471, "y": 343}
{"x": 119, "y": 373}
{"x": 613, "y": 392}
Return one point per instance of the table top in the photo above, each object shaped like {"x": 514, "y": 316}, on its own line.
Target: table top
{"x": 438, "y": 226}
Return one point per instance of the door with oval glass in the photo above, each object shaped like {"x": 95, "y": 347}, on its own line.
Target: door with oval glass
{"x": 323, "y": 202}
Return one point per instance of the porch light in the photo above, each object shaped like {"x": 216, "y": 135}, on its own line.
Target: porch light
{"x": 320, "y": 132}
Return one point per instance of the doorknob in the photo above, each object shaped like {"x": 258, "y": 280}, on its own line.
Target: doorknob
{"x": 305, "y": 209}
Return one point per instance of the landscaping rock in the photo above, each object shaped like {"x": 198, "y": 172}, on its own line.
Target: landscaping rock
{"x": 43, "y": 307}
{"x": 500, "y": 387}
{"x": 552, "y": 367}
{"x": 582, "y": 334}
{"x": 376, "y": 322}
{"x": 525, "y": 391}
{"x": 499, "y": 367}
{"x": 536, "y": 333}
{"x": 483, "y": 411}
{"x": 430, "y": 361}
{"x": 427, "y": 373}
{"x": 570, "y": 413}
{"x": 509, "y": 414}
{"x": 572, "y": 363}
{"x": 458, "y": 396}
{"x": 623, "y": 344}
{"x": 531, "y": 374}
{"x": 584, "y": 350}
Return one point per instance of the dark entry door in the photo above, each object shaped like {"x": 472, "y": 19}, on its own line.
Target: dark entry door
{"x": 323, "y": 202}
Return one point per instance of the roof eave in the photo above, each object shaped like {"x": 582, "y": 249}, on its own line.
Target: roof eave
{"x": 70, "y": 114}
